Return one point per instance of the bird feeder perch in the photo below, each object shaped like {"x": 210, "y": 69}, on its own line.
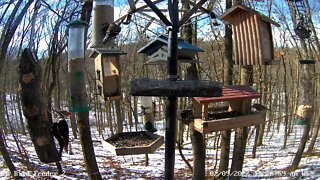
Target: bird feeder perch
{"x": 107, "y": 70}
{"x": 252, "y": 36}
{"x": 77, "y": 79}
{"x": 157, "y": 51}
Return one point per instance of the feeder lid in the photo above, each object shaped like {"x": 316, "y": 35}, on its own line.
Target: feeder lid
{"x": 77, "y": 23}
{"x": 233, "y": 11}
{"x": 106, "y": 52}
{"x": 162, "y": 40}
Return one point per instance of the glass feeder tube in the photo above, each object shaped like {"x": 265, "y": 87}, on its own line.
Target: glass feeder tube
{"x": 76, "y": 51}
{"x": 304, "y": 111}
{"x": 102, "y": 17}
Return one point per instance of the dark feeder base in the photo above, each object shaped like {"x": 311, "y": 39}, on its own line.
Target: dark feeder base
{"x": 132, "y": 143}
{"x": 301, "y": 121}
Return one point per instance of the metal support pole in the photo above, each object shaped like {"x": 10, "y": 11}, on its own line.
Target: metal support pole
{"x": 171, "y": 109}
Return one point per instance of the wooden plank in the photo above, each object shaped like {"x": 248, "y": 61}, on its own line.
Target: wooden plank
{"x": 250, "y": 39}
{"x": 243, "y": 42}
{"x": 259, "y": 47}
{"x": 187, "y": 88}
{"x": 254, "y": 40}
{"x": 247, "y": 40}
{"x": 228, "y": 123}
{"x": 231, "y": 93}
{"x": 235, "y": 44}
{"x": 238, "y": 45}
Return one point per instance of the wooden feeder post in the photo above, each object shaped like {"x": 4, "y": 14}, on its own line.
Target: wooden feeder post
{"x": 76, "y": 67}
{"x": 252, "y": 36}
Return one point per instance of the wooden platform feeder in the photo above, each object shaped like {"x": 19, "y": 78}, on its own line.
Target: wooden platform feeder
{"x": 186, "y": 88}
{"x": 252, "y": 36}
{"x": 133, "y": 143}
{"x": 237, "y": 116}
{"x": 107, "y": 70}
{"x": 157, "y": 51}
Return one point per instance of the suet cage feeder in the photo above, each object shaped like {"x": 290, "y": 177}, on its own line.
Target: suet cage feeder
{"x": 300, "y": 18}
{"x": 76, "y": 46}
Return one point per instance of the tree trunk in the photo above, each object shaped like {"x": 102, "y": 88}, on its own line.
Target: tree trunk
{"x": 228, "y": 74}
{"x": 35, "y": 110}
{"x": 6, "y": 156}
{"x": 87, "y": 145}
{"x": 119, "y": 116}
{"x": 83, "y": 117}
{"x": 305, "y": 101}
{"x": 241, "y": 133}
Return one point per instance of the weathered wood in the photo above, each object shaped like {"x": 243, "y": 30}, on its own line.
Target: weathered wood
{"x": 231, "y": 93}
{"x": 187, "y": 88}
{"x": 253, "y": 43}
{"x": 228, "y": 123}
{"x": 35, "y": 109}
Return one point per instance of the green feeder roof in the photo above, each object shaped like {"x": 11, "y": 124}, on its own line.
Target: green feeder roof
{"x": 157, "y": 49}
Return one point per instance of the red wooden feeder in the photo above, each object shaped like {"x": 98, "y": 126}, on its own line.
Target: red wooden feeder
{"x": 238, "y": 97}
{"x": 252, "y": 36}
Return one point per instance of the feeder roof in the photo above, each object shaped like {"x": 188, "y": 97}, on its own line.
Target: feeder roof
{"x": 162, "y": 40}
{"x": 105, "y": 51}
{"x": 230, "y": 13}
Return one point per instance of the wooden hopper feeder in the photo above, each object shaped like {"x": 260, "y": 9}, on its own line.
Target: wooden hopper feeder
{"x": 157, "y": 51}
{"x": 238, "y": 115}
{"x": 107, "y": 70}
{"x": 252, "y": 36}
{"x": 132, "y": 143}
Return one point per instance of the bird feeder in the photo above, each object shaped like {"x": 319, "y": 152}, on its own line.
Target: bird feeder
{"x": 304, "y": 110}
{"x": 237, "y": 115}
{"x": 157, "y": 51}
{"x": 76, "y": 47}
{"x": 102, "y": 17}
{"x": 252, "y": 36}
{"x": 300, "y": 18}
{"x": 107, "y": 70}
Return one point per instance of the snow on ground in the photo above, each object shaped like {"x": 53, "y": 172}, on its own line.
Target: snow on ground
{"x": 270, "y": 160}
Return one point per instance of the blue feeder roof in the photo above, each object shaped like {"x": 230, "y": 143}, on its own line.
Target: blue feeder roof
{"x": 185, "y": 49}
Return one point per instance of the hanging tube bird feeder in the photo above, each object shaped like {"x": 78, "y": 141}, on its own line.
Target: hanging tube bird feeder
{"x": 76, "y": 66}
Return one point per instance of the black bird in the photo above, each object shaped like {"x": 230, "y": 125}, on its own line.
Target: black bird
{"x": 60, "y": 130}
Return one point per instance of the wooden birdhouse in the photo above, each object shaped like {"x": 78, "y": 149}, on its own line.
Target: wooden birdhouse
{"x": 252, "y": 36}
{"x": 107, "y": 73}
{"x": 157, "y": 51}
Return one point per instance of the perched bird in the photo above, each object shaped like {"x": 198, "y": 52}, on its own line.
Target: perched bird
{"x": 60, "y": 130}
{"x": 112, "y": 31}
{"x": 260, "y": 107}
